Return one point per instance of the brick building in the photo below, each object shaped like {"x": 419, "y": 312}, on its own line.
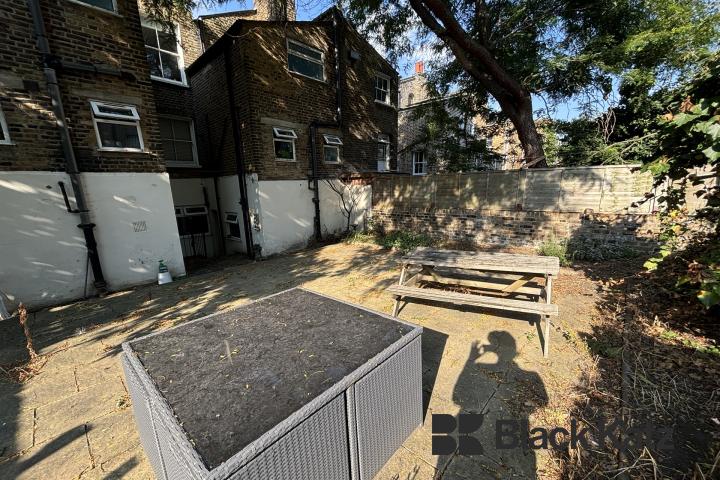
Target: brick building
{"x": 294, "y": 88}
{"x": 418, "y": 157}
{"x": 105, "y": 171}
{"x": 151, "y": 157}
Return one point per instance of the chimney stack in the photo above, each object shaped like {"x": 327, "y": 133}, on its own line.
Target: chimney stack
{"x": 419, "y": 67}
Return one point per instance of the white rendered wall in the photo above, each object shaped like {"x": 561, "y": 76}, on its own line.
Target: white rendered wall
{"x": 119, "y": 203}
{"x": 331, "y": 211}
{"x": 42, "y": 252}
{"x": 287, "y": 212}
{"x": 229, "y": 192}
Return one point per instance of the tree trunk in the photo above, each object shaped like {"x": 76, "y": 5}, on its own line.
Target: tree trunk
{"x": 524, "y": 123}
{"x": 520, "y": 113}
{"x": 478, "y": 61}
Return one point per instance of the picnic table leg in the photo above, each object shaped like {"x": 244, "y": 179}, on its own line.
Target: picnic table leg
{"x": 396, "y": 308}
{"x": 548, "y": 323}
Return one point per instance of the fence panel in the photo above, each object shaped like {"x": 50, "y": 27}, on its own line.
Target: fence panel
{"x": 606, "y": 189}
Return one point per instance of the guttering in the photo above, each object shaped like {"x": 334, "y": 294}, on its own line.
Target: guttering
{"x": 239, "y": 150}
{"x": 71, "y": 166}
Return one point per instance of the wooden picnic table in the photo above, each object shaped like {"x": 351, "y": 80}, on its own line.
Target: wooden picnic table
{"x": 502, "y": 281}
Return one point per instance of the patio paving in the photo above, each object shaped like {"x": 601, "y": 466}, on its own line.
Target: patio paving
{"x": 74, "y": 420}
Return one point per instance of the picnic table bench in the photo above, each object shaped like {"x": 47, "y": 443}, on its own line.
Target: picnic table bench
{"x": 502, "y": 281}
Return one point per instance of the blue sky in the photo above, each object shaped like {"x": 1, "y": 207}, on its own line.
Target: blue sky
{"x": 309, "y": 9}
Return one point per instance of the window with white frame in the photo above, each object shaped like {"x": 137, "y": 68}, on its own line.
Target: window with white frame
{"x": 284, "y": 144}
{"x": 331, "y": 148}
{"x": 383, "y": 153}
{"x": 419, "y": 162}
{"x": 232, "y": 220}
{"x": 178, "y": 141}
{"x": 117, "y": 127}
{"x": 164, "y": 53}
{"x": 4, "y": 132}
{"x": 382, "y": 89}
{"x": 305, "y": 60}
{"x": 192, "y": 220}
{"x": 108, "y": 5}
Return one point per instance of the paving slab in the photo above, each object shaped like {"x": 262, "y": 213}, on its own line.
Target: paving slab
{"x": 53, "y": 419}
{"x": 474, "y": 361}
{"x": 404, "y": 465}
{"x": 16, "y": 432}
{"x": 63, "y": 457}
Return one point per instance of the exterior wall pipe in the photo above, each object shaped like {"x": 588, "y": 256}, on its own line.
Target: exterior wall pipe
{"x": 86, "y": 224}
{"x": 239, "y": 151}
{"x": 317, "y": 227}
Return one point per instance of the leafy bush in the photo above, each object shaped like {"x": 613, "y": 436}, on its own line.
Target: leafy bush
{"x": 361, "y": 237}
{"x": 404, "y": 240}
{"x": 554, "y": 248}
{"x": 596, "y": 251}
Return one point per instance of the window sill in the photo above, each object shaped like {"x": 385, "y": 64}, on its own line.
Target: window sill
{"x": 97, "y": 9}
{"x": 285, "y": 160}
{"x": 9, "y": 143}
{"x": 121, "y": 150}
{"x": 182, "y": 165}
{"x": 167, "y": 80}
{"x": 332, "y": 163}
{"x": 323, "y": 81}
{"x": 385, "y": 104}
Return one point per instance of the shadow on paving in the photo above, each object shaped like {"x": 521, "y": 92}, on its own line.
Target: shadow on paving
{"x": 491, "y": 386}
{"x": 129, "y": 314}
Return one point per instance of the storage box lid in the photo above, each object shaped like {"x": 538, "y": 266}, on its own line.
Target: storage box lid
{"x": 234, "y": 375}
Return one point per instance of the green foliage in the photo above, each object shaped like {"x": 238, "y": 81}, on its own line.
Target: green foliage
{"x": 557, "y": 49}
{"x": 582, "y": 144}
{"x": 555, "y": 248}
{"x": 404, "y": 240}
{"x": 689, "y": 138}
{"x": 360, "y": 237}
{"x": 447, "y": 130}
{"x": 586, "y": 249}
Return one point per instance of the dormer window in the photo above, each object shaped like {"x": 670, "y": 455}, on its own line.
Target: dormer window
{"x": 164, "y": 53}
{"x": 306, "y": 61}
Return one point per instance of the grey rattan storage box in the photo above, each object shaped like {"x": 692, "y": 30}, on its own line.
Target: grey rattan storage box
{"x": 293, "y": 386}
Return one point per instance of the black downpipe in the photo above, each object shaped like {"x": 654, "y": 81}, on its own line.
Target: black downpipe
{"x": 71, "y": 166}
{"x": 239, "y": 152}
{"x": 315, "y": 124}
{"x": 315, "y": 184}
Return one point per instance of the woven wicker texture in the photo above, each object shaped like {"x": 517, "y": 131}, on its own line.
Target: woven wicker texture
{"x": 143, "y": 419}
{"x": 388, "y": 407}
{"x": 317, "y": 449}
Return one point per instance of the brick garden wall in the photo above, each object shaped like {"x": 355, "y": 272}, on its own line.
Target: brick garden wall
{"x": 523, "y": 228}
{"x": 522, "y": 207}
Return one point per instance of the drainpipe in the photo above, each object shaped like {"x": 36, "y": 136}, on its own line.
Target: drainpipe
{"x": 239, "y": 151}
{"x": 71, "y": 166}
{"x": 316, "y": 123}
